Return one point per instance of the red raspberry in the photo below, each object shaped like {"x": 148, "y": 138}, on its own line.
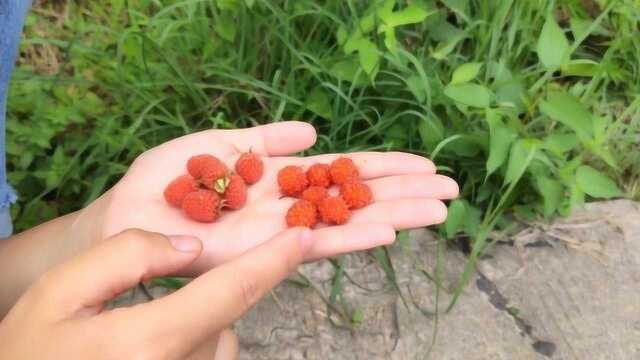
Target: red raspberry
{"x": 356, "y": 194}
{"x": 202, "y": 205}
{"x": 177, "y": 189}
{"x": 302, "y": 213}
{"x": 315, "y": 194}
{"x": 207, "y": 169}
{"x": 292, "y": 180}
{"x": 235, "y": 195}
{"x": 334, "y": 211}
{"x": 318, "y": 175}
{"x": 343, "y": 170}
{"x": 250, "y": 167}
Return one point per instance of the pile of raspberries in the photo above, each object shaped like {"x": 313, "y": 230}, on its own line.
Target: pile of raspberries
{"x": 313, "y": 188}
{"x": 209, "y": 187}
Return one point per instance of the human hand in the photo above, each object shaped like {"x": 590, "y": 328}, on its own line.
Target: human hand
{"x": 406, "y": 190}
{"x": 61, "y": 316}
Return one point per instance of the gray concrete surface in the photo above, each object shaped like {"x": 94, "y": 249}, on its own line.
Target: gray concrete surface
{"x": 570, "y": 290}
{"x": 566, "y": 291}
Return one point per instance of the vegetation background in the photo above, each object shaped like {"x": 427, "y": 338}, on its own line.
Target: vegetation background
{"x": 533, "y": 106}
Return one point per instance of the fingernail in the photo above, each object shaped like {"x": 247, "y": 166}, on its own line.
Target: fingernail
{"x": 306, "y": 240}
{"x": 185, "y": 243}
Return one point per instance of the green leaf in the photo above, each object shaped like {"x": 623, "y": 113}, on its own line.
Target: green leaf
{"x": 412, "y": 14}
{"x": 416, "y": 86}
{"x": 369, "y": 57}
{"x": 469, "y": 94}
{"x": 553, "y": 46}
{"x": 560, "y": 143}
{"x": 522, "y": 152}
{"x": 403, "y": 239}
{"x": 596, "y": 184}
{"x": 226, "y": 28}
{"x": 341, "y": 35}
{"x": 580, "y": 67}
{"x": 347, "y": 70}
{"x": 552, "y": 193}
{"x": 249, "y": 3}
{"x": 465, "y": 73}
{"x": 390, "y": 40}
{"x": 457, "y": 6}
{"x": 357, "y": 317}
{"x": 431, "y": 132}
{"x": 318, "y": 102}
{"x": 455, "y": 218}
{"x": 579, "y": 26}
{"x": 565, "y": 108}
{"x": 472, "y": 220}
{"x": 169, "y": 282}
{"x": 500, "y": 140}
{"x": 446, "y": 47}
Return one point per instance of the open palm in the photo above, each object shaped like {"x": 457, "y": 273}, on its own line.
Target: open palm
{"x": 406, "y": 190}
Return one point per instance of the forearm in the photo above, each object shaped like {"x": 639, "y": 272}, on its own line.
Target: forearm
{"x": 26, "y": 256}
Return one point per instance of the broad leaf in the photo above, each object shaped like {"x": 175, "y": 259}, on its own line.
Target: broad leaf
{"x": 580, "y": 67}
{"x": 226, "y": 28}
{"x": 455, "y": 218}
{"x": 318, "y": 102}
{"x": 469, "y": 94}
{"x": 522, "y": 152}
{"x": 552, "y": 194}
{"x": 431, "y": 132}
{"x": 565, "y": 108}
{"x": 553, "y": 46}
{"x": 346, "y": 70}
{"x": 410, "y": 15}
{"x": 416, "y": 86}
{"x": 560, "y": 143}
{"x": 500, "y": 140}
{"x": 465, "y": 73}
{"x": 596, "y": 184}
{"x": 369, "y": 56}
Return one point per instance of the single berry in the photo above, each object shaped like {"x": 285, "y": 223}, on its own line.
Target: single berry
{"x": 334, "y": 211}
{"x": 356, "y": 194}
{"x": 202, "y": 205}
{"x": 318, "y": 175}
{"x": 250, "y": 167}
{"x": 315, "y": 194}
{"x": 178, "y": 188}
{"x": 343, "y": 170}
{"x": 235, "y": 195}
{"x": 207, "y": 169}
{"x": 302, "y": 213}
{"x": 292, "y": 180}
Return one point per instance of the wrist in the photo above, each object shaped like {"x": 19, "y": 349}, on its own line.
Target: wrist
{"x": 87, "y": 225}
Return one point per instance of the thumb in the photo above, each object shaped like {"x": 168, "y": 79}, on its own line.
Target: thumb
{"x": 117, "y": 264}
{"x": 217, "y": 298}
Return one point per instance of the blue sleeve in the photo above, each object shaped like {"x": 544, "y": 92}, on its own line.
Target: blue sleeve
{"x": 12, "y": 15}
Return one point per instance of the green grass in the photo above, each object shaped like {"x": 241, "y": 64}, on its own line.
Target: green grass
{"x": 533, "y": 106}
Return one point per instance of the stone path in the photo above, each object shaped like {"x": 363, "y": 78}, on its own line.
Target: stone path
{"x": 567, "y": 291}
{"x": 571, "y": 291}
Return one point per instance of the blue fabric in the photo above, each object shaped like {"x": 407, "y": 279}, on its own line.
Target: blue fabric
{"x": 12, "y": 15}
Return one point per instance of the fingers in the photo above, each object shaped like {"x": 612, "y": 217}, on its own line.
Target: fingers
{"x": 219, "y": 297}
{"x": 117, "y": 264}
{"x": 276, "y": 139}
{"x": 375, "y": 164}
{"x": 336, "y": 240}
{"x": 403, "y": 213}
{"x": 222, "y": 346}
{"x": 227, "y": 346}
{"x": 413, "y": 186}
